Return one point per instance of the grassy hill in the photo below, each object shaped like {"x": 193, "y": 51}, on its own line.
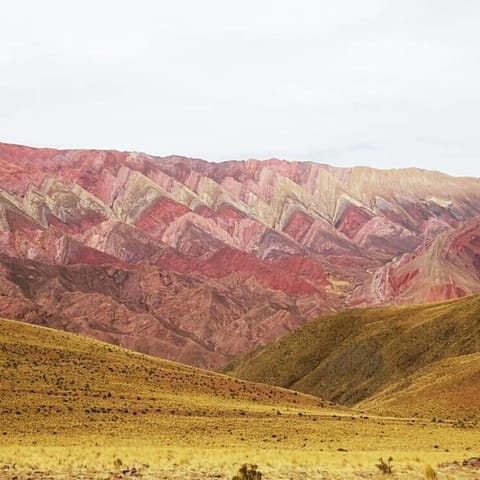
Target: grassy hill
{"x": 90, "y": 385}
{"x": 71, "y": 407}
{"x": 448, "y": 388}
{"x": 395, "y": 360}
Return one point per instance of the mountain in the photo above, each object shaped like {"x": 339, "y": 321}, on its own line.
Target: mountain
{"x": 199, "y": 262}
{"x": 409, "y": 360}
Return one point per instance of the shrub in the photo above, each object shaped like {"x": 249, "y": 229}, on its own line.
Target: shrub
{"x": 248, "y": 472}
{"x": 385, "y": 467}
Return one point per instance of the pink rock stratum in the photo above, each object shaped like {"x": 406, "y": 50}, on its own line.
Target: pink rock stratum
{"x": 197, "y": 261}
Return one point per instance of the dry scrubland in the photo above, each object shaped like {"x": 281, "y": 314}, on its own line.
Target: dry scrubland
{"x": 77, "y": 408}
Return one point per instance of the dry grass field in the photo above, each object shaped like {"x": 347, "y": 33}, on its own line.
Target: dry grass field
{"x": 77, "y": 408}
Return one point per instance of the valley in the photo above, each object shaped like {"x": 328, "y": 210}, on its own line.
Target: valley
{"x": 239, "y": 240}
{"x": 77, "y": 408}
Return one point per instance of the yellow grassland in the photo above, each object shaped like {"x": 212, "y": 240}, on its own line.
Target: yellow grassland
{"x": 77, "y": 408}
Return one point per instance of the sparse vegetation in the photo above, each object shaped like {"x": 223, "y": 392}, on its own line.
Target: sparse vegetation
{"x": 159, "y": 419}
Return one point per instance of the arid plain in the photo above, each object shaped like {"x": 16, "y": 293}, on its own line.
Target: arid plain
{"x": 77, "y": 408}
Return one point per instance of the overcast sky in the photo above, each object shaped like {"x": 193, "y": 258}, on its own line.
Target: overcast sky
{"x": 384, "y": 83}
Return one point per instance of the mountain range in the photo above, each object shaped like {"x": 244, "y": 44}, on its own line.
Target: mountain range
{"x": 198, "y": 262}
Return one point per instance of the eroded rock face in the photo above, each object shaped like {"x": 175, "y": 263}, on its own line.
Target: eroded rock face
{"x": 442, "y": 268}
{"x": 198, "y": 261}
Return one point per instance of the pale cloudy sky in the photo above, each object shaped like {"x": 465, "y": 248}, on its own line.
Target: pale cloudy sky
{"x": 384, "y": 83}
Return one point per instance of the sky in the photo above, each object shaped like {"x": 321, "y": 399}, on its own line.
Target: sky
{"x": 382, "y": 83}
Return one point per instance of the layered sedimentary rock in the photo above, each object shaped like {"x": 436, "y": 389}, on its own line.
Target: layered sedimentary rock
{"x": 445, "y": 267}
{"x": 199, "y": 261}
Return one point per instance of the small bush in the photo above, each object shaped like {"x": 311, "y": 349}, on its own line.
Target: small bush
{"x": 248, "y": 472}
{"x": 385, "y": 467}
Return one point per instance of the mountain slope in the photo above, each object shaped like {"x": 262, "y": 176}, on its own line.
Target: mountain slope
{"x": 202, "y": 261}
{"x": 448, "y": 388}
{"x": 48, "y": 375}
{"x": 152, "y": 310}
{"x": 397, "y": 359}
